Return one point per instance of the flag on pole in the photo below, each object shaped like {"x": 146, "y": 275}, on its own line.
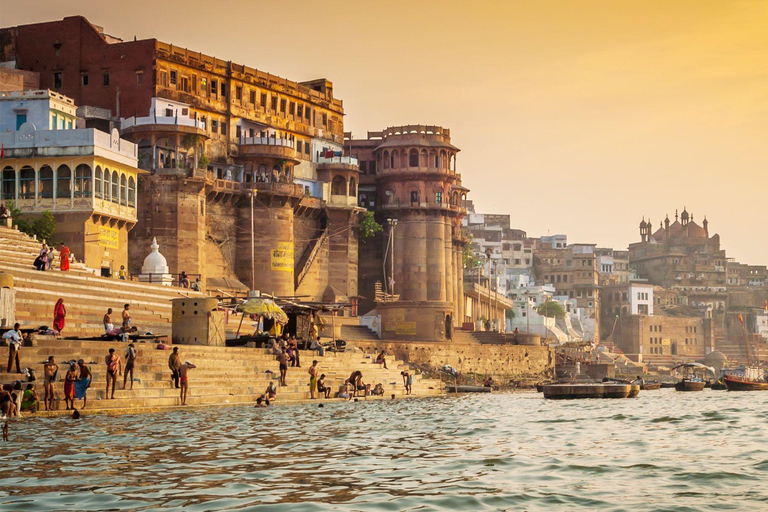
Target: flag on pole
{"x": 741, "y": 318}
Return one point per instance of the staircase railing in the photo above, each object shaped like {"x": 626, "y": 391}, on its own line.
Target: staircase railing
{"x": 309, "y": 255}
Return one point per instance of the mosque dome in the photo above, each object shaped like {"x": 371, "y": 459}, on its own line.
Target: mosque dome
{"x": 696, "y": 231}
{"x": 643, "y": 223}
{"x": 155, "y": 263}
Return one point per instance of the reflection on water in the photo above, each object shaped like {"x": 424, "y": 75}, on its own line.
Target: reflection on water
{"x": 664, "y": 450}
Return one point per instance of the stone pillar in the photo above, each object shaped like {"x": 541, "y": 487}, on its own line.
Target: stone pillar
{"x": 459, "y": 283}
{"x": 449, "y": 266}
{"x": 411, "y": 259}
{"x": 342, "y": 251}
{"x": 436, "y": 263}
{"x": 273, "y": 241}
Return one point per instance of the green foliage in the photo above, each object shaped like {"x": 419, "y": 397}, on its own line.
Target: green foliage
{"x": 468, "y": 255}
{"x": 551, "y": 310}
{"x": 202, "y": 162}
{"x": 190, "y": 140}
{"x": 509, "y": 314}
{"x": 42, "y": 226}
{"x": 368, "y": 227}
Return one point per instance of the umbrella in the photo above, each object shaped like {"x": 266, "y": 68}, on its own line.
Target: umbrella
{"x": 263, "y": 307}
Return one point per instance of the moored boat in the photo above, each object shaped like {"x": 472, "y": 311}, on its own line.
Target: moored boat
{"x": 734, "y": 383}
{"x": 590, "y": 390}
{"x": 690, "y": 385}
{"x": 651, "y": 386}
{"x": 692, "y": 376}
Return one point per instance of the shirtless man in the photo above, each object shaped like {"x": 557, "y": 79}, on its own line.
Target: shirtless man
{"x": 283, "y": 360}
{"x": 114, "y": 368}
{"x": 49, "y": 368}
{"x": 85, "y": 374}
{"x": 108, "y": 325}
{"x": 313, "y": 371}
{"x": 183, "y": 369}
{"x": 126, "y": 315}
{"x": 130, "y": 360}
{"x": 174, "y": 363}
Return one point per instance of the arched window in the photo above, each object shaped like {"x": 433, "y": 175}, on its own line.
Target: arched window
{"x": 413, "y": 158}
{"x": 27, "y": 183}
{"x": 395, "y": 160}
{"x": 99, "y": 183}
{"x": 115, "y": 194}
{"x": 423, "y": 160}
{"x": 63, "y": 182}
{"x": 46, "y": 182}
{"x": 455, "y": 199}
{"x": 123, "y": 190}
{"x": 338, "y": 186}
{"x": 414, "y": 197}
{"x": 387, "y": 161}
{"x": 107, "y": 185}
{"x": 439, "y": 196}
{"x": 82, "y": 181}
{"x": 389, "y": 196}
{"x": 443, "y": 159}
{"x": 131, "y": 192}
{"x": 9, "y": 183}
{"x": 453, "y": 162}
{"x": 352, "y": 187}
{"x": 434, "y": 160}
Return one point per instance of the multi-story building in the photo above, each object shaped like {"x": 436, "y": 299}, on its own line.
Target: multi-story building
{"x": 613, "y": 266}
{"x": 213, "y": 134}
{"x": 409, "y": 179}
{"x": 85, "y": 177}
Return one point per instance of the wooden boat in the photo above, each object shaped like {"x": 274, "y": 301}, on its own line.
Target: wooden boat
{"x": 718, "y": 386}
{"x": 690, "y": 385}
{"x": 734, "y": 383}
{"x": 666, "y": 385}
{"x": 634, "y": 390}
{"x": 651, "y": 386}
{"x": 589, "y": 390}
{"x": 468, "y": 389}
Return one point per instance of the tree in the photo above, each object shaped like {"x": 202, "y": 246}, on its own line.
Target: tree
{"x": 509, "y": 314}
{"x": 468, "y": 256}
{"x": 368, "y": 227}
{"x": 43, "y": 226}
{"x": 551, "y": 310}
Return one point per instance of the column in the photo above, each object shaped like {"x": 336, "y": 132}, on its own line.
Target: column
{"x": 436, "y": 266}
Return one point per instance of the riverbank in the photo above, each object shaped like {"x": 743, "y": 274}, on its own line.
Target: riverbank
{"x": 224, "y": 375}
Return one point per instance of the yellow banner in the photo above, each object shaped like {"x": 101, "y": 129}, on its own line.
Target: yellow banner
{"x": 109, "y": 237}
{"x": 406, "y": 328}
{"x": 282, "y": 257}
{"x": 665, "y": 341}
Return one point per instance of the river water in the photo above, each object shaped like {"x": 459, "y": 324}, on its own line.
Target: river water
{"x": 664, "y": 450}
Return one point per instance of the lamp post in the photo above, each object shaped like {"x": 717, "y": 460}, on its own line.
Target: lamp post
{"x": 488, "y": 253}
{"x": 253, "y": 242}
{"x": 391, "y": 281}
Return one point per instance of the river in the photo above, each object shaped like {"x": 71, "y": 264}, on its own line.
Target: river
{"x": 664, "y": 450}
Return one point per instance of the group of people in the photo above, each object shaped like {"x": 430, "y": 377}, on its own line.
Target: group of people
{"x": 184, "y": 282}
{"x": 124, "y": 330}
{"x": 44, "y": 260}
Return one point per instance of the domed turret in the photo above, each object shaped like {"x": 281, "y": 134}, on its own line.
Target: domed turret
{"x": 684, "y": 217}
{"x": 155, "y": 267}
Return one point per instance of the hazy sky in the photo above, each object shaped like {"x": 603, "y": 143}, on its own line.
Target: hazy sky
{"x": 575, "y": 117}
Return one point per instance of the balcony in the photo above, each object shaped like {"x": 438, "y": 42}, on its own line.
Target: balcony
{"x": 275, "y": 189}
{"x": 163, "y": 124}
{"x": 338, "y": 162}
{"x": 268, "y": 147}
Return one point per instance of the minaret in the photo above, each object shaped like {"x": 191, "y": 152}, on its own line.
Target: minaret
{"x": 643, "y": 230}
{"x": 705, "y": 225}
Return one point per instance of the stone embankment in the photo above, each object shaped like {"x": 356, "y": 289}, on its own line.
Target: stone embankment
{"x": 223, "y": 375}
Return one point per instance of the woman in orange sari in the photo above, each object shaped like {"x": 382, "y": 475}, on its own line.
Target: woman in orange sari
{"x": 59, "y": 316}
{"x": 64, "y": 257}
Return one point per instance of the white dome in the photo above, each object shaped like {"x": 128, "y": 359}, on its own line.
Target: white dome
{"x": 155, "y": 263}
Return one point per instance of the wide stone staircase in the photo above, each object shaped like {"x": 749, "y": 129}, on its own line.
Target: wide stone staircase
{"x": 223, "y": 374}
{"x": 86, "y": 296}
{"x": 358, "y": 333}
{"x": 485, "y": 337}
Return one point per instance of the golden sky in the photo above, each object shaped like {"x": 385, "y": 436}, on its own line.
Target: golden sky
{"x": 575, "y": 117}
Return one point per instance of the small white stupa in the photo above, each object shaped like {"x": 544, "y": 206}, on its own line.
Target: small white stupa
{"x": 155, "y": 267}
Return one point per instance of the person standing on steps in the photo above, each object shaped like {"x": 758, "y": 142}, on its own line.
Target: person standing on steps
{"x": 64, "y": 253}
{"x": 282, "y": 358}
{"x": 127, "y": 315}
{"x": 69, "y": 386}
{"x": 183, "y": 369}
{"x": 108, "y": 324}
{"x": 14, "y": 340}
{"x": 114, "y": 368}
{"x": 174, "y": 363}
{"x": 312, "y": 379}
{"x": 82, "y": 385}
{"x": 50, "y": 369}
{"x": 130, "y": 361}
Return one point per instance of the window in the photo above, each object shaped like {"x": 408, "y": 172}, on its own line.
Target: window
{"x": 372, "y": 167}
{"x": 414, "y": 197}
{"x": 307, "y": 148}
{"x": 299, "y": 111}
{"x": 46, "y": 182}
{"x": 63, "y": 182}
{"x": 214, "y": 88}
{"x": 308, "y": 113}
{"x": 105, "y": 79}
{"x": 214, "y": 126}
{"x": 338, "y": 186}
{"x": 115, "y": 185}
{"x": 238, "y": 131}
{"x": 274, "y": 103}
{"x": 84, "y": 79}
{"x": 299, "y": 145}
{"x": 99, "y": 183}
{"x": 239, "y": 93}
{"x": 325, "y": 119}
{"x": 439, "y": 197}
{"x": 184, "y": 84}
{"x": 223, "y": 90}
{"x": 253, "y": 97}
{"x": 282, "y": 106}
{"x": 352, "y": 187}
{"x": 203, "y": 83}
{"x": 139, "y": 77}
{"x": 292, "y": 108}
{"x": 82, "y": 181}
{"x": 364, "y": 167}
{"x": 169, "y": 112}
{"x": 27, "y": 183}
{"x": 223, "y": 128}
{"x": 9, "y": 183}
{"x": 57, "y": 80}
{"x": 263, "y": 100}
{"x": 413, "y": 158}
{"x": 174, "y": 77}
{"x": 131, "y": 192}
{"x": 162, "y": 78}
{"x": 21, "y": 118}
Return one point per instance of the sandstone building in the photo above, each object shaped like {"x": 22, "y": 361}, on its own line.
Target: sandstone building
{"x": 213, "y": 134}
{"x": 409, "y": 175}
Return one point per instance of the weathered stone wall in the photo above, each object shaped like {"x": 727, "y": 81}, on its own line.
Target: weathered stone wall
{"x": 502, "y": 362}
{"x": 221, "y": 238}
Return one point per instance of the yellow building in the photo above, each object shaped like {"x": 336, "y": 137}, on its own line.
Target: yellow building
{"x": 85, "y": 177}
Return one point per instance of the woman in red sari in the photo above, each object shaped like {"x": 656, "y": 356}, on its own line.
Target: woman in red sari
{"x": 64, "y": 257}
{"x": 59, "y": 315}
